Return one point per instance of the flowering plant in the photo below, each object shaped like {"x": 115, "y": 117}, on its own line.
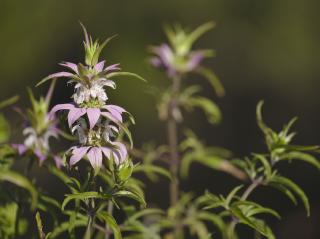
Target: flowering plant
{"x": 105, "y": 175}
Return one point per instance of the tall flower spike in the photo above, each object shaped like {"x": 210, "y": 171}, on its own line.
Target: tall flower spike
{"x": 95, "y": 123}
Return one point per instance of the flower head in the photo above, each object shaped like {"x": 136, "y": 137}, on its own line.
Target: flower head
{"x": 41, "y": 128}
{"x": 95, "y": 123}
{"x": 178, "y": 58}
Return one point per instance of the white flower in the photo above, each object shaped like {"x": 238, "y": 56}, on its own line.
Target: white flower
{"x": 96, "y": 91}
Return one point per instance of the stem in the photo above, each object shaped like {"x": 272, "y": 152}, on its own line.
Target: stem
{"x": 173, "y": 142}
{"x": 87, "y": 235}
{"x": 255, "y": 183}
{"x": 110, "y": 211}
{"x": 174, "y": 154}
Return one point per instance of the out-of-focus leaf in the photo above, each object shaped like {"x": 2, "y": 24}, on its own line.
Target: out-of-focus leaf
{"x": 111, "y": 222}
{"x": 22, "y": 182}
{"x": 211, "y": 110}
{"x": 4, "y": 130}
{"x": 9, "y": 101}
{"x": 152, "y": 169}
{"x": 213, "y": 79}
{"x": 40, "y": 226}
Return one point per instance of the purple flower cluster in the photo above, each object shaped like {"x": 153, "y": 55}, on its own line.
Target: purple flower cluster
{"x": 96, "y": 124}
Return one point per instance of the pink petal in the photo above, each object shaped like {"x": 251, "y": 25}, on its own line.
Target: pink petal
{"x": 115, "y": 107}
{"x": 60, "y": 107}
{"x": 78, "y": 154}
{"x": 58, "y": 161}
{"x": 110, "y": 116}
{"x": 71, "y": 66}
{"x": 106, "y": 151}
{"x": 112, "y": 67}
{"x": 121, "y": 148}
{"x": 21, "y": 148}
{"x": 95, "y": 157}
{"x": 60, "y": 74}
{"x": 93, "y": 116}
{"x": 75, "y": 114}
{"x": 99, "y": 66}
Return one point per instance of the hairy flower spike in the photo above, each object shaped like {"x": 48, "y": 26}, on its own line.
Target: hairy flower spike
{"x": 96, "y": 123}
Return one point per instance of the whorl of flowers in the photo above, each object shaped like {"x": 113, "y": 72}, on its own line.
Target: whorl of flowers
{"x": 96, "y": 123}
{"x": 178, "y": 57}
{"x": 41, "y": 128}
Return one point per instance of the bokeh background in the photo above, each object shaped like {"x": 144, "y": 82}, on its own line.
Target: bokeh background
{"x": 266, "y": 49}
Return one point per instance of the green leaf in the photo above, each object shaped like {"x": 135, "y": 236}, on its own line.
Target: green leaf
{"x": 83, "y": 197}
{"x": 133, "y": 195}
{"x": 215, "y": 220}
{"x": 285, "y": 191}
{"x": 148, "y": 168}
{"x": 65, "y": 226}
{"x": 145, "y": 212}
{"x": 198, "y": 32}
{"x": 308, "y": 158}
{"x": 9, "y": 102}
{"x": 265, "y": 163}
{"x": 295, "y": 188}
{"x": 213, "y": 80}
{"x": 95, "y": 57}
{"x": 40, "y": 226}
{"x": 122, "y": 73}
{"x": 232, "y": 194}
{"x": 22, "y": 182}
{"x": 111, "y": 222}
{"x": 4, "y": 129}
{"x": 211, "y": 110}
{"x": 253, "y": 209}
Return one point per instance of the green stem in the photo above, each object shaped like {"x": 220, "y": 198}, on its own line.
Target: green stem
{"x": 174, "y": 152}
{"x": 110, "y": 211}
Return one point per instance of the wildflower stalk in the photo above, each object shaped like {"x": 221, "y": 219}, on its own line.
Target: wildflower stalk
{"x": 110, "y": 212}
{"x": 173, "y": 142}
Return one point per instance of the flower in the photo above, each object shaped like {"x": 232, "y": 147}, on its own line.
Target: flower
{"x": 96, "y": 124}
{"x": 41, "y": 129}
{"x": 111, "y": 112}
{"x": 178, "y": 58}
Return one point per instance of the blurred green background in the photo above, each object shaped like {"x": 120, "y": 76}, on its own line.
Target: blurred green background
{"x": 266, "y": 49}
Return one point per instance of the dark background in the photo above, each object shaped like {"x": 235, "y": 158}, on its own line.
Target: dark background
{"x": 266, "y": 49}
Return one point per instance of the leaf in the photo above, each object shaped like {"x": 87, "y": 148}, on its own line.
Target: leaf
{"x": 293, "y": 187}
{"x": 111, "y": 222}
{"x": 4, "y": 129}
{"x": 95, "y": 57}
{"x": 9, "y": 101}
{"x": 308, "y": 158}
{"x": 22, "y": 182}
{"x": 146, "y": 212}
{"x": 133, "y": 195}
{"x": 215, "y": 220}
{"x": 211, "y": 110}
{"x": 123, "y": 73}
{"x": 285, "y": 191}
{"x": 65, "y": 226}
{"x": 198, "y": 32}
{"x": 254, "y": 208}
{"x": 265, "y": 163}
{"x": 232, "y": 194}
{"x": 40, "y": 226}
{"x": 84, "y": 196}
{"x": 213, "y": 80}
{"x": 153, "y": 169}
